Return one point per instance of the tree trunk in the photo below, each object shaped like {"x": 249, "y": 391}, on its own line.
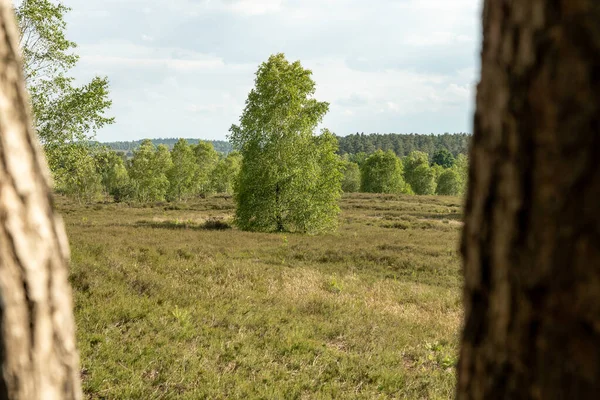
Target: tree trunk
{"x": 278, "y": 217}
{"x": 38, "y": 358}
{"x": 531, "y": 242}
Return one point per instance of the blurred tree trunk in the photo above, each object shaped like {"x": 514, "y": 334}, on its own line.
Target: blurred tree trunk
{"x": 531, "y": 242}
{"x": 38, "y": 358}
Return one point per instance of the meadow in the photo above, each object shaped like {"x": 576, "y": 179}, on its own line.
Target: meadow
{"x": 171, "y": 302}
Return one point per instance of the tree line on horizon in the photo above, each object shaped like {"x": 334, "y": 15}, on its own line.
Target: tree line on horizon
{"x": 152, "y": 174}
{"x": 157, "y": 173}
{"x": 128, "y": 146}
{"x": 401, "y": 144}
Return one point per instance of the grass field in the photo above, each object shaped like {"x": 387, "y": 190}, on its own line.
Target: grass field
{"x": 171, "y": 303}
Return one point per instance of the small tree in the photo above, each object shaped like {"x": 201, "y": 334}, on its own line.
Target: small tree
{"x": 224, "y": 175}
{"x": 183, "y": 172}
{"x": 75, "y": 173}
{"x": 290, "y": 180}
{"x": 351, "y": 180}
{"x": 206, "y": 159}
{"x": 444, "y": 158}
{"x": 418, "y": 173}
{"x": 448, "y": 183}
{"x": 148, "y": 172}
{"x": 423, "y": 180}
{"x": 438, "y": 170}
{"x": 115, "y": 178}
{"x": 358, "y": 158}
{"x": 381, "y": 172}
{"x": 462, "y": 169}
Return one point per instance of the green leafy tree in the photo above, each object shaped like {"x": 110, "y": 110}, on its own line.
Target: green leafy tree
{"x": 423, "y": 180}
{"x": 114, "y": 175}
{"x": 448, "y": 183}
{"x": 183, "y": 172}
{"x": 358, "y": 158}
{"x": 444, "y": 158}
{"x": 206, "y": 160}
{"x": 351, "y": 180}
{"x": 148, "y": 172}
{"x": 76, "y": 174}
{"x": 163, "y": 161}
{"x": 382, "y": 173}
{"x": 438, "y": 170}
{"x": 418, "y": 174}
{"x": 290, "y": 180}
{"x": 63, "y": 113}
{"x": 462, "y": 169}
{"x": 224, "y": 175}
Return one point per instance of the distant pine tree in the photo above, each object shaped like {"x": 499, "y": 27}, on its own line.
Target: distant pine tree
{"x": 221, "y": 146}
{"x": 403, "y": 144}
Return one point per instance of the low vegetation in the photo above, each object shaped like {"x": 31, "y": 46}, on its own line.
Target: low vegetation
{"x": 172, "y": 302}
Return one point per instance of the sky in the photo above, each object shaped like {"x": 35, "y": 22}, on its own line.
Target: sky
{"x": 183, "y": 68}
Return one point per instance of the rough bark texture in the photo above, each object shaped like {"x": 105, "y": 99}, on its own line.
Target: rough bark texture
{"x": 38, "y": 358}
{"x": 531, "y": 243}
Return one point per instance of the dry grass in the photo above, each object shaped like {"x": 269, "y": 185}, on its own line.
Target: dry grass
{"x": 173, "y": 303}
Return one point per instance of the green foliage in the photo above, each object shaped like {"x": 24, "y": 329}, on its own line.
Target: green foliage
{"x": 318, "y": 209}
{"x": 206, "y": 160}
{"x": 183, "y": 172}
{"x": 63, "y": 113}
{"x": 462, "y": 168}
{"x": 115, "y": 178}
{"x": 74, "y": 172}
{"x": 358, "y": 146}
{"x": 382, "y": 173}
{"x": 412, "y": 161}
{"x": 404, "y": 144}
{"x": 289, "y": 180}
{"x": 437, "y": 171}
{"x": 418, "y": 174}
{"x": 443, "y": 158}
{"x": 351, "y": 181}
{"x": 46, "y": 51}
{"x": 224, "y": 175}
{"x": 423, "y": 180}
{"x": 358, "y": 158}
{"x": 448, "y": 183}
{"x": 148, "y": 172}
{"x": 220, "y": 146}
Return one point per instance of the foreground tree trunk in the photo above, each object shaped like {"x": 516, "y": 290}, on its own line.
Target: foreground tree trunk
{"x": 531, "y": 242}
{"x": 38, "y": 359}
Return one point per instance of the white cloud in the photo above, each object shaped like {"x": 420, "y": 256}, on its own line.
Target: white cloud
{"x": 126, "y": 54}
{"x": 255, "y": 7}
{"x": 185, "y": 67}
{"x": 171, "y": 63}
{"x": 437, "y": 39}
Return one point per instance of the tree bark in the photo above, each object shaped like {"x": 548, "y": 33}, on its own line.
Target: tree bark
{"x": 278, "y": 216}
{"x": 531, "y": 242}
{"x": 38, "y": 357}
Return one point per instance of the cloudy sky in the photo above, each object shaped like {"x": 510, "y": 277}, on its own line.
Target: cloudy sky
{"x": 183, "y": 68}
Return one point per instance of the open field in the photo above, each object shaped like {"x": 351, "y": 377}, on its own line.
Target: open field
{"x": 171, "y": 303}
